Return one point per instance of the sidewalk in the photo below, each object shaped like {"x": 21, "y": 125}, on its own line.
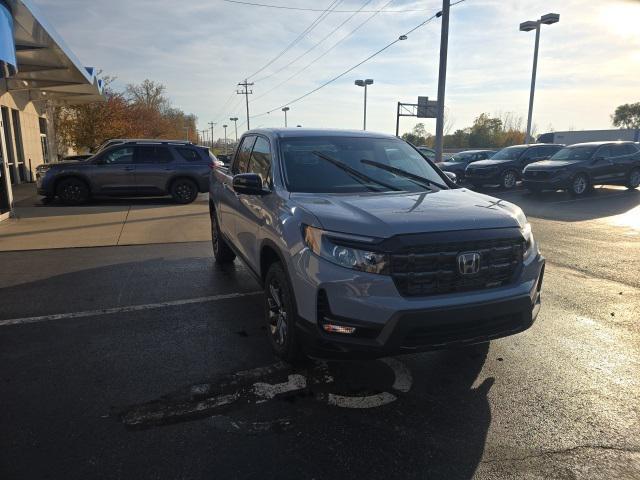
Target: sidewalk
{"x": 107, "y": 222}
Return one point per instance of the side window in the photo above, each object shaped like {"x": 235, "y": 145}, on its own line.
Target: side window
{"x": 152, "y": 154}
{"x": 260, "y": 161}
{"x": 604, "y": 152}
{"x": 531, "y": 154}
{"x": 619, "y": 150}
{"x": 550, "y": 151}
{"x": 189, "y": 154}
{"x": 631, "y": 149}
{"x": 241, "y": 161}
{"x": 119, "y": 156}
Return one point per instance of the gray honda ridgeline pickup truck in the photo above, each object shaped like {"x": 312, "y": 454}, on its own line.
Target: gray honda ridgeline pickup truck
{"x": 365, "y": 248}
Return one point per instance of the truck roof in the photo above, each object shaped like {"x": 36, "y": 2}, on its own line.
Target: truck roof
{"x": 317, "y": 132}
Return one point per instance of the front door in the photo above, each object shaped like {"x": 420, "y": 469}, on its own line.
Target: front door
{"x": 114, "y": 172}
{"x": 602, "y": 168}
{"x": 251, "y": 210}
{"x": 229, "y": 199}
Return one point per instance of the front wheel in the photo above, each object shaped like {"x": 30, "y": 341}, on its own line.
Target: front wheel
{"x": 184, "y": 191}
{"x": 280, "y": 315}
{"x": 579, "y": 185}
{"x": 509, "y": 179}
{"x": 72, "y": 191}
{"x": 634, "y": 179}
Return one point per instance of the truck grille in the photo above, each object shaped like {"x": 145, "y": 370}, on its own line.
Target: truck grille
{"x": 433, "y": 269}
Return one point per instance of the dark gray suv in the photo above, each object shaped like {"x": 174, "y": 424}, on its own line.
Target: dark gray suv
{"x": 137, "y": 168}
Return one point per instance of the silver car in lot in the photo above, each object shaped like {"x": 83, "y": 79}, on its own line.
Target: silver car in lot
{"x": 134, "y": 168}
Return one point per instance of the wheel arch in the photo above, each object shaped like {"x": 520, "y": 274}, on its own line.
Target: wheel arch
{"x": 74, "y": 176}
{"x": 270, "y": 253}
{"x": 181, "y": 176}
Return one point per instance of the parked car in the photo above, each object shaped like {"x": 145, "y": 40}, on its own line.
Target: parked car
{"x": 459, "y": 161}
{"x": 505, "y": 167}
{"x": 364, "y": 248}
{"x": 143, "y": 168}
{"x": 579, "y": 167}
{"x": 427, "y": 152}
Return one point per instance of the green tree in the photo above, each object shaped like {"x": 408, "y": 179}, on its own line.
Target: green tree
{"x": 627, "y": 116}
{"x": 418, "y": 136}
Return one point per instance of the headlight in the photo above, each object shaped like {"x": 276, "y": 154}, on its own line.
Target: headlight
{"x": 322, "y": 244}
{"x": 529, "y": 242}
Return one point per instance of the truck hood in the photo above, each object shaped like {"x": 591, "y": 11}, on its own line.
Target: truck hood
{"x": 552, "y": 165}
{"x": 388, "y": 214}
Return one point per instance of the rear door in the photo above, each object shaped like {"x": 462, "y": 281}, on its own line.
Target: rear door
{"x": 623, "y": 158}
{"x": 114, "y": 172}
{"x": 154, "y": 168}
{"x": 229, "y": 201}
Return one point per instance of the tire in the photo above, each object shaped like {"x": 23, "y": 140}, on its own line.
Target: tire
{"x": 509, "y": 180}
{"x": 72, "y": 191}
{"x": 184, "y": 190}
{"x": 633, "y": 181}
{"x": 580, "y": 185}
{"x": 221, "y": 250}
{"x": 280, "y": 315}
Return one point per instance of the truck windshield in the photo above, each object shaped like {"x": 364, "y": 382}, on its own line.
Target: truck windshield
{"x": 574, "y": 153}
{"x": 305, "y": 171}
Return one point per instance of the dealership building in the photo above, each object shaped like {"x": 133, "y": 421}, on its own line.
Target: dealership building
{"x": 37, "y": 72}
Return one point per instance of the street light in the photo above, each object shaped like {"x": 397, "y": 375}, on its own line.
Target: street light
{"x": 364, "y": 83}
{"x": 225, "y": 138}
{"x": 285, "y": 110}
{"x": 548, "y": 19}
{"x": 235, "y": 121}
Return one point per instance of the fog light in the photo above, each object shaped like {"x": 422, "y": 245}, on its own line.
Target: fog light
{"x": 328, "y": 327}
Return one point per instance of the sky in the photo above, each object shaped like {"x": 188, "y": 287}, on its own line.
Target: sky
{"x": 589, "y": 62}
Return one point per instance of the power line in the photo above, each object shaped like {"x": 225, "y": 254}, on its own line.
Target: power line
{"x": 325, "y": 53}
{"x": 389, "y": 45}
{"x": 313, "y": 25}
{"x": 284, "y": 7}
{"x": 313, "y": 47}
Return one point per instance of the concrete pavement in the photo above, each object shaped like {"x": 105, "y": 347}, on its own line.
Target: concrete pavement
{"x": 107, "y": 222}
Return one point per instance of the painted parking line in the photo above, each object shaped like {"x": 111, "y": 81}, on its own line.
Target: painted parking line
{"x": 125, "y": 309}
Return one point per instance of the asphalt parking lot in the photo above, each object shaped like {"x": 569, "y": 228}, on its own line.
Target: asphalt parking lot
{"x": 150, "y": 361}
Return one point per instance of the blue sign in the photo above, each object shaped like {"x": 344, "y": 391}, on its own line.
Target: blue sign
{"x": 8, "y": 63}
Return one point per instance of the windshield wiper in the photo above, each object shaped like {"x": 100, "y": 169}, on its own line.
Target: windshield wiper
{"x": 423, "y": 182}
{"x": 359, "y": 176}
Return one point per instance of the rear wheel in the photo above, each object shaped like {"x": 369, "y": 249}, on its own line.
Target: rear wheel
{"x": 579, "y": 185}
{"x": 634, "y": 179}
{"x": 509, "y": 179}
{"x": 184, "y": 190}
{"x": 280, "y": 315}
{"x": 72, "y": 191}
{"x": 221, "y": 250}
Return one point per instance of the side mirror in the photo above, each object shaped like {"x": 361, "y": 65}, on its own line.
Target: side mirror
{"x": 452, "y": 176}
{"x": 249, "y": 184}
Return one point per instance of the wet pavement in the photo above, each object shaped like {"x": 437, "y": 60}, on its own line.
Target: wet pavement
{"x": 152, "y": 362}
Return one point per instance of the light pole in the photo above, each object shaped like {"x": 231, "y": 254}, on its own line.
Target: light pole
{"x": 225, "y": 138}
{"x": 548, "y": 19}
{"x": 235, "y": 121}
{"x": 364, "y": 83}
{"x": 285, "y": 110}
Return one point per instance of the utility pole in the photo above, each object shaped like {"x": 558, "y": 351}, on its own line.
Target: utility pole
{"x": 246, "y": 92}
{"x": 442, "y": 79}
{"x": 211, "y": 124}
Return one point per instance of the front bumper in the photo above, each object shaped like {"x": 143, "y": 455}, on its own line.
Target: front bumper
{"x": 482, "y": 177}
{"x": 387, "y": 323}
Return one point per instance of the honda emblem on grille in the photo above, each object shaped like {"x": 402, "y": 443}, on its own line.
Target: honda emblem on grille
{"x": 469, "y": 263}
